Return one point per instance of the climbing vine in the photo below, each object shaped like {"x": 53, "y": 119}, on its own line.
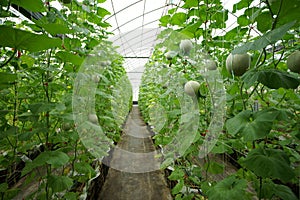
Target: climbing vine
{"x": 40, "y": 59}
{"x": 260, "y": 136}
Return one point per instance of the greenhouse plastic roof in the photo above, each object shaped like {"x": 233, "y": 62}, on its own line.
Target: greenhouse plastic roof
{"x": 135, "y": 26}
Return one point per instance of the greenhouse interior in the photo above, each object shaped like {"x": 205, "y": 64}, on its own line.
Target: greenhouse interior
{"x": 150, "y": 99}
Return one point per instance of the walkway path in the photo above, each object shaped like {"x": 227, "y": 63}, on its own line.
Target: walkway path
{"x": 132, "y": 176}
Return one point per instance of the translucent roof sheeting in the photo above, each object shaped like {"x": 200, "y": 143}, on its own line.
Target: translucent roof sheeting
{"x": 135, "y": 26}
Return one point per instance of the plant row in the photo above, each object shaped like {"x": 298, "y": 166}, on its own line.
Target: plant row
{"x": 255, "y": 68}
{"x": 61, "y": 86}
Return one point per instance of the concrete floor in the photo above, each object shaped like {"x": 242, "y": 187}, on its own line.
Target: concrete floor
{"x": 134, "y": 172}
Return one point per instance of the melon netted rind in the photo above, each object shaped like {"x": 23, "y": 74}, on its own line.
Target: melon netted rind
{"x": 191, "y": 88}
{"x": 186, "y": 46}
{"x": 293, "y": 62}
{"x": 238, "y": 64}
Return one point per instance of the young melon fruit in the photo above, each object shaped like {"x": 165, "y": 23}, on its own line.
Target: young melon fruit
{"x": 66, "y": 126}
{"x": 93, "y": 118}
{"x": 96, "y": 78}
{"x": 211, "y": 65}
{"x": 238, "y": 64}
{"x": 293, "y": 62}
{"x": 170, "y": 55}
{"x": 186, "y": 46}
{"x": 191, "y": 88}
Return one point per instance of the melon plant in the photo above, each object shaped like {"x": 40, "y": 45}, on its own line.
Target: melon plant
{"x": 259, "y": 104}
{"x": 237, "y": 64}
{"x": 293, "y": 62}
{"x": 36, "y": 104}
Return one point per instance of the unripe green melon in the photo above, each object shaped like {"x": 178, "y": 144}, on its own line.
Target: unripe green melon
{"x": 191, "y": 88}
{"x": 170, "y": 55}
{"x": 96, "y": 78}
{"x": 238, "y": 64}
{"x": 293, "y": 62}
{"x": 211, "y": 65}
{"x": 186, "y": 46}
{"x": 93, "y": 118}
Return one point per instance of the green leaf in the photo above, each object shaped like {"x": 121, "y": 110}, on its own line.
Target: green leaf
{"x": 56, "y": 28}
{"x": 221, "y": 148}
{"x": 264, "y": 22}
{"x": 59, "y": 183}
{"x": 289, "y": 10}
{"x": 177, "y": 174}
{"x": 237, "y": 123}
{"x": 40, "y": 160}
{"x": 242, "y": 20}
{"x": 11, "y": 131}
{"x": 268, "y": 38}
{"x": 250, "y": 77}
{"x": 102, "y": 12}
{"x": 229, "y": 188}
{"x": 272, "y": 78}
{"x": 178, "y": 19}
{"x": 253, "y": 13}
{"x": 191, "y": 29}
{"x": 4, "y": 2}
{"x": 214, "y": 167}
{"x": 32, "y": 5}
{"x": 275, "y": 79}
{"x": 3, "y": 187}
{"x": 27, "y": 60}
{"x": 7, "y": 79}
{"x": 71, "y": 196}
{"x": 266, "y": 189}
{"x": 284, "y": 192}
{"x": 86, "y": 169}
{"x": 269, "y": 190}
{"x": 19, "y": 39}
{"x": 69, "y": 57}
{"x": 241, "y": 4}
{"x": 37, "y": 108}
{"x": 190, "y": 4}
{"x": 178, "y": 187}
{"x": 252, "y": 126}
{"x": 166, "y": 163}
{"x": 269, "y": 163}
{"x": 164, "y": 20}
{"x": 233, "y": 33}
{"x": 56, "y": 158}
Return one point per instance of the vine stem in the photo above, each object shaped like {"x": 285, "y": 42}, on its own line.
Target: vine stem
{"x": 259, "y": 57}
{"x": 75, "y": 157}
{"x": 9, "y": 59}
{"x": 47, "y": 184}
{"x": 15, "y": 146}
{"x": 241, "y": 93}
{"x": 276, "y": 63}
{"x": 46, "y": 88}
{"x": 260, "y": 188}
